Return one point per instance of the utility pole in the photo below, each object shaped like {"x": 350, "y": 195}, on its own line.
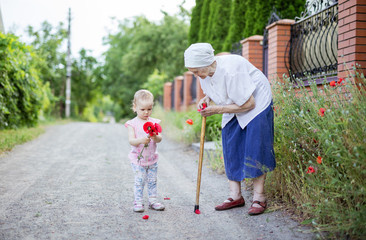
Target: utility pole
{"x": 68, "y": 70}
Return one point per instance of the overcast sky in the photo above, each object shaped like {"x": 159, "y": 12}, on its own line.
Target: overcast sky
{"x": 91, "y": 19}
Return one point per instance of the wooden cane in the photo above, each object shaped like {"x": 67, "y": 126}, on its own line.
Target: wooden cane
{"x": 202, "y": 142}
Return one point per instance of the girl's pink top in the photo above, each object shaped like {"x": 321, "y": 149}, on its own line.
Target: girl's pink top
{"x": 150, "y": 154}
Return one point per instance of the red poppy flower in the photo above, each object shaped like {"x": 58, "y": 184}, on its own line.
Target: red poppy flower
{"x": 203, "y": 107}
{"x": 197, "y": 211}
{"x": 340, "y": 81}
{"x": 319, "y": 159}
{"x": 158, "y": 128}
{"x": 145, "y": 217}
{"x": 148, "y": 127}
{"x": 310, "y": 170}
{"x": 189, "y": 121}
{"x": 321, "y": 111}
{"x": 332, "y": 83}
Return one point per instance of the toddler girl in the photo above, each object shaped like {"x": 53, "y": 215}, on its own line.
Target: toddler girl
{"x": 143, "y": 154}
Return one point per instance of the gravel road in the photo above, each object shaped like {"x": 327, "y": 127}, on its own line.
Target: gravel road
{"x": 75, "y": 182}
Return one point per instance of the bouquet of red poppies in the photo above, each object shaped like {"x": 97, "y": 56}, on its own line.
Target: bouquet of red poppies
{"x": 151, "y": 129}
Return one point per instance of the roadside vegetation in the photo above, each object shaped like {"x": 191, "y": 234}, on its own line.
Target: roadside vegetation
{"x": 9, "y": 138}
{"x": 320, "y": 146}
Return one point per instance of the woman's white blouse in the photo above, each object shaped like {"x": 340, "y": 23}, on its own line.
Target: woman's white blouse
{"x": 234, "y": 81}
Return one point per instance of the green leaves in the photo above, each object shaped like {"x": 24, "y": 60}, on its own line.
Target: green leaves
{"x": 20, "y": 90}
{"x": 137, "y": 50}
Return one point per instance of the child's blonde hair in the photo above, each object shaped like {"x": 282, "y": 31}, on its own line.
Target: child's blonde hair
{"x": 142, "y": 95}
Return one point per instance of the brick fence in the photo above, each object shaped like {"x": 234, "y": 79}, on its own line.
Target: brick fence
{"x": 351, "y": 50}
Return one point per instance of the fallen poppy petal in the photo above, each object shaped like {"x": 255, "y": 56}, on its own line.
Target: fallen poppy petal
{"x": 197, "y": 211}
{"x": 145, "y": 217}
{"x": 166, "y": 198}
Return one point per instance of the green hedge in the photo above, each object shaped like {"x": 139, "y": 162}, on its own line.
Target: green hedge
{"x": 21, "y": 90}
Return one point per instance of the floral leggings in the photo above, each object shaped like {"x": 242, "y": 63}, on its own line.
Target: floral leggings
{"x": 145, "y": 174}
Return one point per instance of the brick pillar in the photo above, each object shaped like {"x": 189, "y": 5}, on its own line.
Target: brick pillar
{"x": 187, "y": 96}
{"x": 279, "y": 34}
{"x": 178, "y": 82}
{"x": 253, "y": 50}
{"x": 167, "y": 102}
{"x": 351, "y": 35}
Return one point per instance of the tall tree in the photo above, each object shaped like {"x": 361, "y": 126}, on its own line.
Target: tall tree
{"x": 137, "y": 50}
{"x": 193, "y": 35}
{"x": 205, "y": 13}
{"x": 237, "y": 24}
{"x": 47, "y": 42}
{"x": 86, "y": 79}
{"x": 219, "y": 23}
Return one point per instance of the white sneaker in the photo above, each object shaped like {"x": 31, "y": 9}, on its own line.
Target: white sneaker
{"x": 138, "y": 207}
{"x": 157, "y": 206}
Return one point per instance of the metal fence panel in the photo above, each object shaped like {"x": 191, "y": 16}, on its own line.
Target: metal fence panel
{"x": 314, "y": 45}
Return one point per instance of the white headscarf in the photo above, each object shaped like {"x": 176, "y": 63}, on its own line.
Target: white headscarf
{"x": 199, "y": 55}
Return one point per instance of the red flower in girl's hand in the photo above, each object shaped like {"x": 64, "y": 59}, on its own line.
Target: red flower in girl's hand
{"x": 203, "y": 107}
{"x": 158, "y": 128}
{"x": 151, "y": 128}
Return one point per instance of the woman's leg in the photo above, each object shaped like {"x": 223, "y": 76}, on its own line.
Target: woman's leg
{"x": 235, "y": 189}
{"x": 258, "y": 189}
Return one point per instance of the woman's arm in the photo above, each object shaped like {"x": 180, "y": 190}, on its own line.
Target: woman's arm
{"x": 231, "y": 108}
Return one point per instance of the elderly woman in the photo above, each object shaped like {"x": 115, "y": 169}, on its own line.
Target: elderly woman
{"x": 242, "y": 94}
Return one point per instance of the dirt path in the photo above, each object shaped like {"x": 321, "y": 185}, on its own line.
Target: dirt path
{"x": 75, "y": 182}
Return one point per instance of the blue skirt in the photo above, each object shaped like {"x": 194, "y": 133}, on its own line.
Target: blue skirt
{"x": 248, "y": 152}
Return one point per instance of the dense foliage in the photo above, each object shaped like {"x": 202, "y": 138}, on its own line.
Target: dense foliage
{"x": 20, "y": 87}
{"x": 48, "y": 42}
{"x": 225, "y": 22}
{"x": 139, "y": 49}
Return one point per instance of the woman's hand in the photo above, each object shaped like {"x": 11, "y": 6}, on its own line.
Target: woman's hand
{"x": 231, "y": 108}
{"x": 211, "y": 110}
{"x": 205, "y": 100}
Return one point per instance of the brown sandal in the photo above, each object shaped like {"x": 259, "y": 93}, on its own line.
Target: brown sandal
{"x": 257, "y": 210}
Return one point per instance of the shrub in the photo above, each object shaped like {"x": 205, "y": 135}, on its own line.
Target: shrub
{"x": 320, "y": 139}
{"x": 20, "y": 87}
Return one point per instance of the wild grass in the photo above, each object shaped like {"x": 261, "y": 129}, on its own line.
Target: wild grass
{"x": 320, "y": 146}
{"x": 12, "y": 137}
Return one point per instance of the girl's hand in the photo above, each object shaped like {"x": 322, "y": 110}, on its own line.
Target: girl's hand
{"x": 145, "y": 140}
{"x": 156, "y": 138}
